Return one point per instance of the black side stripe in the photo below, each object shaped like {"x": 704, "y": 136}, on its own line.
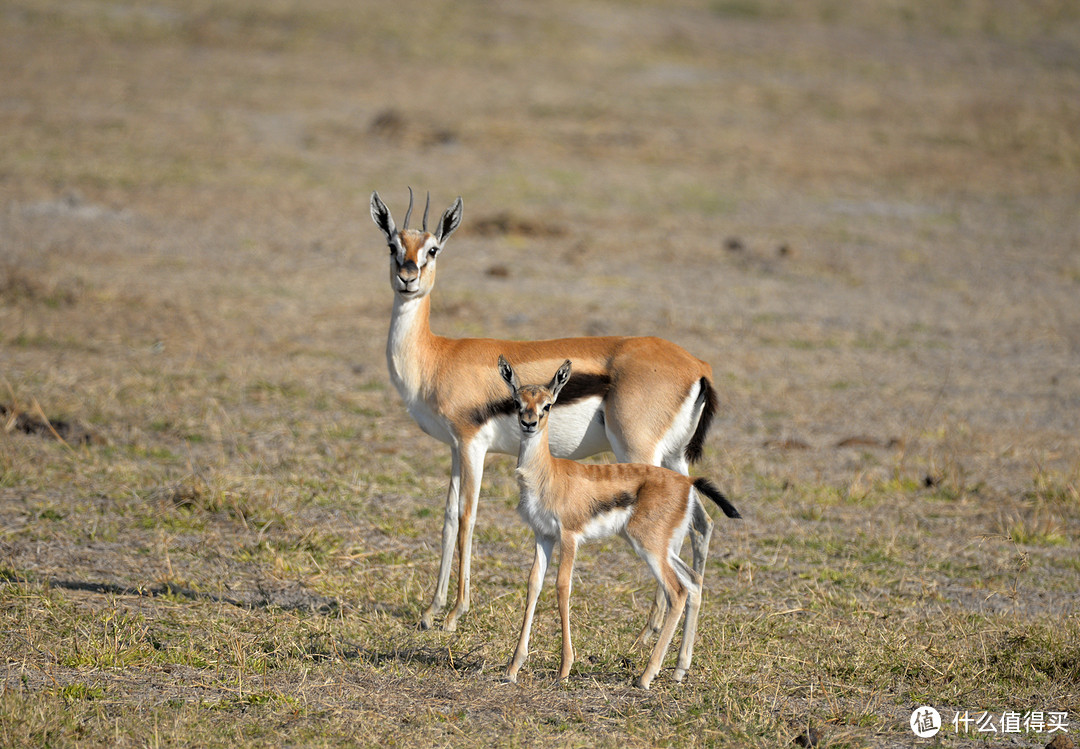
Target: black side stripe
{"x": 620, "y": 501}
{"x": 484, "y": 414}
{"x": 583, "y": 386}
{"x": 579, "y": 387}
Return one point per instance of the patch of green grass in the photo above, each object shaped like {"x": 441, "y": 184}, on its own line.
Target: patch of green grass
{"x": 1036, "y": 529}
{"x": 74, "y": 692}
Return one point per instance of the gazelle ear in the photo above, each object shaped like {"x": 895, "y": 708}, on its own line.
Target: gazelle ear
{"x": 508, "y": 374}
{"x": 380, "y": 214}
{"x": 560, "y": 379}
{"x": 449, "y": 221}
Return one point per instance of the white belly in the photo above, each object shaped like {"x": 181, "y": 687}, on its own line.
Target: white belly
{"x": 428, "y": 420}
{"x": 608, "y": 524}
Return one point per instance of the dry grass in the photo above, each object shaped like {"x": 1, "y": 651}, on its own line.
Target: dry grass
{"x": 217, "y": 524}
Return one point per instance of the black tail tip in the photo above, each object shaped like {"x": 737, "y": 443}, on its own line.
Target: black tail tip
{"x": 709, "y": 489}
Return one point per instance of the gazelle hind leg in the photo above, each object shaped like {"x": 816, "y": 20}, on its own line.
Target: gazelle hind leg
{"x": 677, "y": 594}
{"x": 655, "y": 621}
{"x": 677, "y": 462}
{"x": 449, "y": 536}
{"x": 693, "y": 582}
{"x": 701, "y": 528}
{"x": 658, "y": 612}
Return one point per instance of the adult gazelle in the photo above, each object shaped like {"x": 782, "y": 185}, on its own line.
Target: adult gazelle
{"x": 645, "y": 399}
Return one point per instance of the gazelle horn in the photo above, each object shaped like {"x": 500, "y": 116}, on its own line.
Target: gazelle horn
{"x": 408, "y": 212}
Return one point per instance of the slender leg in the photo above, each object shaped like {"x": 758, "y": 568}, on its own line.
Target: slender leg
{"x": 472, "y": 470}
{"x": 678, "y": 595}
{"x": 641, "y": 454}
{"x": 449, "y": 534}
{"x": 701, "y": 528}
{"x": 654, "y": 621}
{"x": 536, "y": 583}
{"x": 567, "y": 552}
{"x": 692, "y": 581}
{"x": 658, "y": 613}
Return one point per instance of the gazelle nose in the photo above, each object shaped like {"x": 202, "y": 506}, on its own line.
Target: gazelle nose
{"x": 408, "y": 272}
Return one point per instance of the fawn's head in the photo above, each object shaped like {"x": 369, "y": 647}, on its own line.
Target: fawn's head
{"x": 533, "y": 402}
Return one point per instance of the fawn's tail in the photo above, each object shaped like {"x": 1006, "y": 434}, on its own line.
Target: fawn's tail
{"x": 709, "y": 489}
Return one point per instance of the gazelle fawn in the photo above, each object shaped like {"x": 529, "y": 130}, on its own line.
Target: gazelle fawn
{"x": 645, "y": 399}
{"x": 566, "y": 502}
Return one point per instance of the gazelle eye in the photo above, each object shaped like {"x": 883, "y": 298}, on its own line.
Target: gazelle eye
{"x": 433, "y": 252}
{"x": 547, "y": 408}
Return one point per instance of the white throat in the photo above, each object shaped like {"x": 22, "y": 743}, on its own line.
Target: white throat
{"x": 534, "y": 458}
{"x": 407, "y": 324}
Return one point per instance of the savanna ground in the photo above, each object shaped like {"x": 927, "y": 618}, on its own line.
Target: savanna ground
{"x": 218, "y": 526}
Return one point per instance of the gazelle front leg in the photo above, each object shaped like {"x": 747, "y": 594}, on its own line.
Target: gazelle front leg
{"x": 536, "y": 583}
{"x": 472, "y": 471}
{"x": 449, "y": 535}
{"x": 567, "y": 552}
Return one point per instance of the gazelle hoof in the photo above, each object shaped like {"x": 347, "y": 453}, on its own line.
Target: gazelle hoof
{"x": 679, "y": 675}
{"x": 640, "y": 683}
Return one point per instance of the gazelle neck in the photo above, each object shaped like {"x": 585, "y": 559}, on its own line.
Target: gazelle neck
{"x": 408, "y": 342}
{"x": 535, "y": 467}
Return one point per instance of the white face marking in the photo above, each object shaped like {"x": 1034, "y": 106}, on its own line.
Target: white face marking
{"x": 425, "y": 255}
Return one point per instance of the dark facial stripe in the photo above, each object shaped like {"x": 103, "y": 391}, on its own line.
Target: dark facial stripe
{"x": 618, "y": 502}
{"x": 579, "y": 387}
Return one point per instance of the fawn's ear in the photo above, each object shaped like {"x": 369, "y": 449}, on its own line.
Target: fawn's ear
{"x": 560, "y": 379}
{"x": 508, "y": 374}
{"x": 380, "y": 214}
